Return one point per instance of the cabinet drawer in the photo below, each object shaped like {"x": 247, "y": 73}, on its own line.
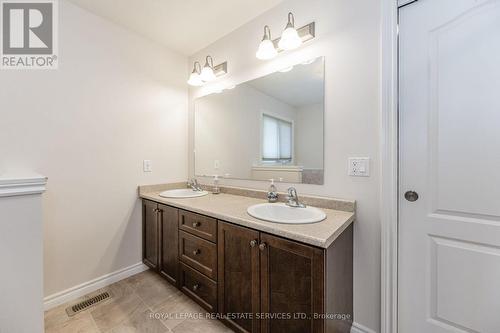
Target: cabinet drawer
{"x": 198, "y": 253}
{"x": 199, "y": 288}
{"x": 199, "y": 225}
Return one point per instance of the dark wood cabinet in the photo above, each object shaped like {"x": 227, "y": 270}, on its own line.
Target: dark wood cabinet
{"x": 287, "y": 286}
{"x": 257, "y": 282}
{"x": 291, "y": 287}
{"x": 160, "y": 239}
{"x": 169, "y": 242}
{"x": 239, "y": 276}
{"x": 150, "y": 234}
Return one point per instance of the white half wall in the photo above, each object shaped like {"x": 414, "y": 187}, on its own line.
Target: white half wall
{"x": 115, "y": 100}
{"x": 348, "y": 35}
{"x": 21, "y": 248}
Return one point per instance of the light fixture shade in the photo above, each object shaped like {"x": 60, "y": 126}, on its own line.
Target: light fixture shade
{"x": 266, "y": 47}
{"x": 266, "y": 50}
{"x": 195, "y": 80}
{"x": 207, "y": 74}
{"x": 290, "y": 37}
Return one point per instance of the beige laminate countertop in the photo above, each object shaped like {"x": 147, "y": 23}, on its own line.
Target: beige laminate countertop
{"x": 233, "y": 208}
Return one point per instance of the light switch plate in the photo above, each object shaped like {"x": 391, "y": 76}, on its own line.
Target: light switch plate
{"x": 146, "y": 166}
{"x": 359, "y": 167}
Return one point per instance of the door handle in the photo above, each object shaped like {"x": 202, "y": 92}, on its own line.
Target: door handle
{"x": 411, "y": 196}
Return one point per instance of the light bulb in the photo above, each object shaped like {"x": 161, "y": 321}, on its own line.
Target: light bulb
{"x": 290, "y": 37}
{"x": 195, "y": 80}
{"x": 266, "y": 50}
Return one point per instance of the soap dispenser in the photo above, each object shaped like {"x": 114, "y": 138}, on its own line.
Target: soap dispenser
{"x": 272, "y": 193}
{"x": 216, "y": 189}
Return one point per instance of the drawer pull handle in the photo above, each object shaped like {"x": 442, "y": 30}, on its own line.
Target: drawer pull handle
{"x": 196, "y": 287}
{"x": 196, "y": 224}
{"x": 196, "y": 252}
{"x": 253, "y": 243}
{"x": 262, "y": 246}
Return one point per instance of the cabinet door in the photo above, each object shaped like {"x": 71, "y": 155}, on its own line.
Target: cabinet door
{"x": 169, "y": 243}
{"x": 150, "y": 234}
{"x": 239, "y": 273}
{"x": 292, "y": 286}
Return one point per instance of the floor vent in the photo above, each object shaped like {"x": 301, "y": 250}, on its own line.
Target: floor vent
{"x": 83, "y": 305}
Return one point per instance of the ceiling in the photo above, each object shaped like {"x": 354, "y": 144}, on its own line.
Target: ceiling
{"x": 301, "y": 86}
{"x": 185, "y": 26}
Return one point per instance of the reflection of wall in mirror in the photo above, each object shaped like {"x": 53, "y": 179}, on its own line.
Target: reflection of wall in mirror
{"x": 309, "y": 138}
{"x": 227, "y": 130}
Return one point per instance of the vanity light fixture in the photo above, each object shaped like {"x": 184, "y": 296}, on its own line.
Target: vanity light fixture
{"x": 194, "y": 78}
{"x": 207, "y": 73}
{"x": 290, "y": 37}
{"x": 266, "y": 49}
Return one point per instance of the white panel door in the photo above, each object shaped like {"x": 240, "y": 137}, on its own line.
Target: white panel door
{"x": 449, "y": 239}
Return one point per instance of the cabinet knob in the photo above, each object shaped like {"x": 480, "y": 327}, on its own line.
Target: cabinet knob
{"x": 253, "y": 243}
{"x": 196, "y": 224}
{"x": 196, "y": 252}
{"x": 196, "y": 287}
{"x": 262, "y": 246}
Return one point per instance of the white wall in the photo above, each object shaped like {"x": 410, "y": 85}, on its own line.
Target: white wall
{"x": 228, "y": 129}
{"x": 115, "y": 100}
{"x": 348, "y": 35}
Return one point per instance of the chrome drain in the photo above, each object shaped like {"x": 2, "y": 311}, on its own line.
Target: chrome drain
{"x": 83, "y": 305}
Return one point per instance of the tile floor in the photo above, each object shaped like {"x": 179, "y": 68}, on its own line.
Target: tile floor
{"x": 143, "y": 303}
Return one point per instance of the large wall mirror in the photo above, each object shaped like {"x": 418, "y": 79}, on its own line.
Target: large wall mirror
{"x": 268, "y": 128}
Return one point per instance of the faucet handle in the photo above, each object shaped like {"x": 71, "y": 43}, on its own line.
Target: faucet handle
{"x": 292, "y": 192}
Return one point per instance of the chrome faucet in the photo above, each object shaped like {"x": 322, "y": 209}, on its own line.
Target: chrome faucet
{"x": 293, "y": 199}
{"x": 193, "y": 183}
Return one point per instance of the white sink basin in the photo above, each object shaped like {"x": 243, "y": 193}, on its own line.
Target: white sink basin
{"x": 183, "y": 193}
{"x": 281, "y": 213}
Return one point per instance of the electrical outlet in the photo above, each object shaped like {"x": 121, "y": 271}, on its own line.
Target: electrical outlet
{"x": 146, "y": 166}
{"x": 359, "y": 167}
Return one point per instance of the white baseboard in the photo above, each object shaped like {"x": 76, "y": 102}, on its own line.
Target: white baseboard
{"x": 73, "y": 293}
{"x": 358, "y": 328}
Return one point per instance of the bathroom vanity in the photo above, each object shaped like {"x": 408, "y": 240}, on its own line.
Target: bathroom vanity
{"x": 256, "y": 276}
